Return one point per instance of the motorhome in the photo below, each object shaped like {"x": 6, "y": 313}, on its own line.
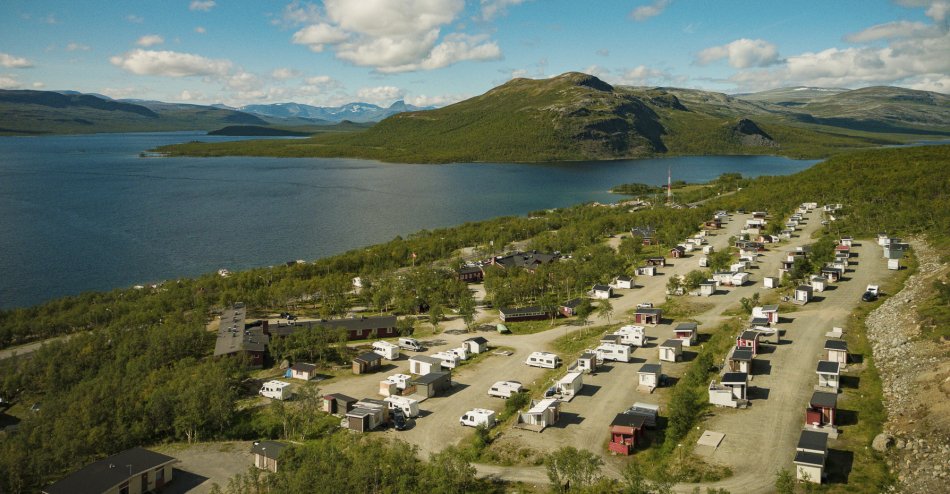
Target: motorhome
{"x": 276, "y": 390}
{"x": 505, "y": 389}
{"x": 546, "y": 360}
{"x": 449, "y": 360}
{"x": 387, "y": 350}
{"x": 478, "y": 416}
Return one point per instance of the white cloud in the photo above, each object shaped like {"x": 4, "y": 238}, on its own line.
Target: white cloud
{"x": 315, "y": 36}
{"x": 187, "y": 95}
{"x": 77, "y": 47}
{"x": 170, "y": 64}
{"x": 455, "y": 48}
{"x": 891, "y": 30}
{"x": 38, "y": 85}
{"x": 642, "y": 75}
{"x": 284, "y": 73}
{"x": 135, "y": 19}
{"x": 380, "y": 95}
{"x": 645, "y": 12}
{"x": 150, "y": 40}
{"x": 493, "y": 8}
{"x": 12, "y": 62}
{"x": 392, "y": 17}
{"x": 8, "y": 81}
{"x": 604, "y": 52}
{"x": 200, "y": 30}
{"x": 296, "y": 13}
{"x": 741, "y": 53}
{"x": 202, "y": 5}
{"x": 244, "y": 82}
{"x": 439, "y": 100}
{"x": 936, "y": 9}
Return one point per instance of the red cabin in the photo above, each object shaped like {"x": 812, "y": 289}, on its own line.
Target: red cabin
{"x": 625, "y": 431}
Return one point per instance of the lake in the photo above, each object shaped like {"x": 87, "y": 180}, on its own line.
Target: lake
{"x": 86, "y": 212}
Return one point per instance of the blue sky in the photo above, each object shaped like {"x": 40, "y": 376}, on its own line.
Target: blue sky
{"x": 441, "y": 51}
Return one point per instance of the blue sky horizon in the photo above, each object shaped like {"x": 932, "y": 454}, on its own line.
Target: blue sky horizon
{"x": 436, "y": 52}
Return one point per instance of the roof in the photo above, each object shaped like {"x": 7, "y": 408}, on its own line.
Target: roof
{"x": 643, "y": 231}
{"x": 469, "y": 270}
{"x": 824, "y": 400}
{"x": 477, "y": 339}
{"x": 650, "y": 368}
{"x": 827, "y": 367}
{"x": 769, "y": 308}
{"x": 268, "y": 449}
{"x": 750, "y": 335}
{"x": 679, "y": 248}
{"x": 432, "y": 377}
{"x": 357, "y": 323}
{"x": 368, "y": 357}
{"x": 340, "y": 397}
{"x": 673, "y": 343}
{"x": 624, "y": 277}
{"x": 301, "y": 367}
{"x": 588, "y": 355}
{"x": 836, "y": 345}
{"x": 525, "y": 259}
{"x": 735, "y": 378}
{"x": 635, "y": 421}
{"x": 427, "y": 359}
{"x": 814, "y": 459}
{"x": 813, "y": 440}
{"x": 649, "y": 311}
{"x": 572, "y": 303}
{"x": 520, "y": 311}
{"x": 805, "y": 288}
{"x": 601, "y": 288}
{"x": 685, "y": 326}
{"x": 109, "y": 472}
{"x": 760, "y": 320}
{"x": 742, "y": 354}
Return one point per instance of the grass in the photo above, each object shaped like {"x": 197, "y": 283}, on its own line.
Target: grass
{"x": 530, "y": 327}
{"x": 575, "y": 342}
{"x": 683, "y": 307}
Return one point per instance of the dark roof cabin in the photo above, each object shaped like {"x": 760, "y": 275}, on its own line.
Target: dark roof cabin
{"x": 133, "y": 470}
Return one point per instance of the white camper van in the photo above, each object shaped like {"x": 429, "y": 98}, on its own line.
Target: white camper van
{"x": 478, "y": 416}
{"x": 631, "y": 335}
{"x": 276, "y": 390}
{"x": 409, "y": 406}
{"x": 546, "y": 360}
{"x": 387, "y": 350}
{"x": 411, "y": 344}
{"x": 505, "y": 389}
{"x": 612, "y": 351}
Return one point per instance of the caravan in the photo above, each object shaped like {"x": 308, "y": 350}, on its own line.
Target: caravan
{"x": 613, "y": 351}
{"x": 546, "y": 360}
{"x": 505, "y": 389}
{"x": 478, "y": 417}
{"x": 387, "y": 350}
{"x": 631, "y": 335}
{"x": 449, "y": 360}
{"x": 408, "y": 406}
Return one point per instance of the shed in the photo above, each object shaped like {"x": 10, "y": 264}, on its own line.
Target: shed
{"x": 367, "y": 414}
{"x": 367, "y": 362}
{"x": 602, "y": 292}
{"x": 749, "y": 340}
{"x": 432, "y": 384}
{"x": 649, "y": 377}
{"x": 649, "y": 270}
{"x": 810, "y": 456}
{"x": 831, "y": 274}
{"x": 707, "y": 288}
{"x": 837, "y": 352}
{"x": 741, "y": 360}
{"x": 671, "y": 350}
{"x": 569, "y": 308}
{"x": 509, "y": 314}
{"x": 625, "y": 430}
{"x": 569, "y": 385}
{"x": 302, "y": 371}
{"x": 821, "y": 409}
{"x": 541, "y": 414}
{"x": 817, "y": 283}
{"x": 587, "y": 362}
{"x": 686, "y": 332}
{"x": 649, "y": 316}
{"x": 769, "y": 312}
{"x": 423, "y": 364}
{"x": 623, "y": 282}
{"x": 738, "y": 381}
{"x": 829, "y": 374}
{"x": 802, "y": 294}
{"x": 266, "y": 454}
{"x": 678, "y": 252}
{"x": 770, "y": 282}
{"x": 655, "y": 261}
{"x": 475, "y": 345}
{"x": 338, "y": 404}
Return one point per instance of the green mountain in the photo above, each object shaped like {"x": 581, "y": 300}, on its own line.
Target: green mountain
{"x": 45, "y": 112}
{"x": 577, "y": 116}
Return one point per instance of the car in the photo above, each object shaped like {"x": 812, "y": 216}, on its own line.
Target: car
{"x": 869, "y": 297}
{"x": 399, "y": 420}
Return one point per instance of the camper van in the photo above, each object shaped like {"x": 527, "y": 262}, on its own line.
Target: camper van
{"x": 408, "y": 406}
{"x": 411, "y": 344}
{"x": 505, "y": 389}
{"x": 387, "y": 350}
{"x": 276, "y": 390}
{"x": 477, "y": 417}
{"x": 612, "y": 351}
{"x": 546, "y": 360}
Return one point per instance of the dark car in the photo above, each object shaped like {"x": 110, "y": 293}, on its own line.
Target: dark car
{"x": 869, "y": 297}
{"x": 399, "y": 420}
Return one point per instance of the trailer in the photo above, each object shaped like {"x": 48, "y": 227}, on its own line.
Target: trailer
{"x": 387, "y": 350}
{"x": 478, "y": 417}
{"x": 545, "y": 360}
{"x": 460, "y": 352}
{"x": 275, "y": 390}
{"x": 632, "y": 335}
{"x": 409, "y": 406}
{"x": 449, "y": 360}
{"x": 505, "y": 389}
{"x": 613, "y": 351}
{"x": 394, "y": 384}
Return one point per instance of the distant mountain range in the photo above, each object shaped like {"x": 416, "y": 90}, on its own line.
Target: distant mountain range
{"x": 353, "y": 112}
{"x": 579, "y": 117}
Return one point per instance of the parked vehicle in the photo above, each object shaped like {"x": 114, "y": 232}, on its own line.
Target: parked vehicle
{"x": 546, "y": 360}
{"x": 411, "y": 344}
{"x": 276, "y": 390}
{"x": 386, "y": 350}
{"x": 405, "y": 405}
{"x": 505, "y": 389}
{"x": 869, "y": 296}
{"x": 478, "y": 416}
{"x": 400, "y": 422}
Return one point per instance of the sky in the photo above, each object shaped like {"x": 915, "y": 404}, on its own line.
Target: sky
{"x": 436, "y": 52}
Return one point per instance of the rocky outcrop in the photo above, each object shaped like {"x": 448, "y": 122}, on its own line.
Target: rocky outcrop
{"x": 750, "y": 134}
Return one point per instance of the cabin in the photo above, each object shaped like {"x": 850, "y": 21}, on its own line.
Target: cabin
{"x": 367, "y": 362}
{"x": 524, "y": 260}
{"x": 471, "y": 274}
{"x": 749, "y": 340}
{"x": 731, "y": 392}
{"x": 767, "y": 312}
{"x": 541, "y": 414}
{"x": 740, "y": 360}
{"x": 509, "y": 314}
{"x": 678, "y": 252}
{"x": 302, "y": 371}
{"x": 837, "y": 351}
{"x": 623, "y": 282}
{"x": 832, "y": 274}
{"x": 631, "y": 335}
{"x": 359, "y": 328}
{"x": 569, "y": 308}
{"x": 587, "y": 362}
{"x": 134, "y": 470}
{"x": 723, "y": 277}
{"x": 810, "y": 456}
{"x": 423, "y": 364}
{"x": 656, "y": 261}
{"x": 625, "y": 430}
{"x": 770, "y": 282}
{"x": 686, "y": 332}
{"x": 266, "y": 454}
{"x": 602, "y": 292}
{"x": 646, "y": 271}
{"x": 829, "y": 374}
{"x": 894, "y": 264}
{"x": 649, "y": 377}
{"x": 569, "y": 385}
{"x": 475, "y": 345}
{"x": 432, "y": 384}
{"x": 366, "y": 415}
{"x": 648, "y": 315}
{"x": 817, "y": 283}
{"x": 707, "y": 288}
{"x": 646, "y": 234}
{"x": 821, "y": 410}
{"x": 338, "y": 404}
{"x": 671, "y": 350}
{"x": 738, "y": 381}
{"x": 802, "y": 294}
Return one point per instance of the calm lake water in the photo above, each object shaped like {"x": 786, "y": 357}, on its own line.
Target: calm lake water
{"x": 86, "y": 212}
